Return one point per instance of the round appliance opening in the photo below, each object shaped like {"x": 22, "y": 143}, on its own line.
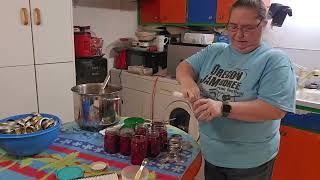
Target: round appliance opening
{"x": 182, "y": 118}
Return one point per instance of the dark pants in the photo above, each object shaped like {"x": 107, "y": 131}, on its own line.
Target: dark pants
{"x": 262, "y": 172}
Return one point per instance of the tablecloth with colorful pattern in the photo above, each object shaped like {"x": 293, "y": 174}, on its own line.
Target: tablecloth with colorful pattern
{"x": 76, "y": 147}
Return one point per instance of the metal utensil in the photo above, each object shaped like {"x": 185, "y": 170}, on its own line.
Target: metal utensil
{"x": 105, "y": 82}
{"x": 139, "y": 172}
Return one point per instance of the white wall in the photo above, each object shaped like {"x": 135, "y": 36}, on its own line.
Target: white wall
{"x": 109, "y": 19}
{"x": 300, "y": 34}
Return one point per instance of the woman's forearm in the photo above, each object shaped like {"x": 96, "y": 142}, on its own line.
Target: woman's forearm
{"x": 184, "y": 72}
{"x": 255, "y": 111}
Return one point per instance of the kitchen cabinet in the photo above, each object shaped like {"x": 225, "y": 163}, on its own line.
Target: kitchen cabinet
{"x": 149, "y": 11}
{"x": 205, "y": 12}
{"x": 18, "y": 90}
{"x": 16, "y": 38}
{"x": 298, "y": 157}
{"x": 163, "y": 11}
{"x": 54, "y": 92}
{"x": 223, "y": 10}
{"x": 37, "y": 64}
{"x": 202, "y": 11}
{"x": 53, "y": 35}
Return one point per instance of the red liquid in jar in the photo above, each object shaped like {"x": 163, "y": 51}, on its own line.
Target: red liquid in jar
{"x": 125, "y": 144}
{"x": 111, "y": 142}
{"x": 139, "y": 145}
{"x": 153, "y": 145}
{"x": 141, "y": 130}
{"x": 163, "y": 135}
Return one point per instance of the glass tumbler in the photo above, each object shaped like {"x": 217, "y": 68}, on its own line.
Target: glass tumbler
{"x": 111, "y": 141}
{"x": 139, "y": 146}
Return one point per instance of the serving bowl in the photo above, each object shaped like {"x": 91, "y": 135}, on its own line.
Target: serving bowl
{"x": 31, "y": 143}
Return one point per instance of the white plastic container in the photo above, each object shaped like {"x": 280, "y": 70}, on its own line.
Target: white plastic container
{"x": 129, "y": 172}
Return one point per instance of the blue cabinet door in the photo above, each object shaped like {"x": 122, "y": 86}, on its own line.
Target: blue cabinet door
{"x": 309, "y": 121}
{"x": 203, "y": 11}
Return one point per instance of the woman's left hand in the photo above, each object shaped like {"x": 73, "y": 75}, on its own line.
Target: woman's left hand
{"x": 206, "y": 109}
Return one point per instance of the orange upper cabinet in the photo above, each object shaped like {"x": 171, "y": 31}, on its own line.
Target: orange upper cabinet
{"x": 173, "y": 11}
{"x": 163, "y": 11}
{"x": 149, "y": 11}
{"x": 223, "y": 10}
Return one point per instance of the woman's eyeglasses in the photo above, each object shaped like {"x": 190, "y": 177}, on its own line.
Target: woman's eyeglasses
{"x": 245, "y": 29}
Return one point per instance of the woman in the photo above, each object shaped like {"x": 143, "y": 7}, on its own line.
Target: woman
{"x": 239, "y": 93}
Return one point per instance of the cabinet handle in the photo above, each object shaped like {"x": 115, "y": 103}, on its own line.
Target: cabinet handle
{"x": 37, "y": 16}
{"x": 24, "y": 16}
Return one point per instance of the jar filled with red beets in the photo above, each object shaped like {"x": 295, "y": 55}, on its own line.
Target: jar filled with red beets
{"x": 153, "y": 143}
{"x": 141, "y": 129}
{"x": 111, "y": 141}
{"x": 126, "y": 134}
{"x": 139, "y": 146}
{"x": 163, "y": 134}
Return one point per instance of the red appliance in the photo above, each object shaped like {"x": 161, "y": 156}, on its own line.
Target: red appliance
{"x": 82, "y": 44}
{"x": 85, "y": 45}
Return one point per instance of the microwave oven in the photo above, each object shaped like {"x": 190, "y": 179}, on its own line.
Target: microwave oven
{"x": 154, "y": 60}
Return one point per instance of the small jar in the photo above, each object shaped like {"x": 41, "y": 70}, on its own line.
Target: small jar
{"x": 125, "y": 140}
{"x": 163, "y": 134}
{"x": 111, "y": 141}
{"x": 141, "y": 129}
{"x": 139, "y": 145}
{"x": 153, "y": 143}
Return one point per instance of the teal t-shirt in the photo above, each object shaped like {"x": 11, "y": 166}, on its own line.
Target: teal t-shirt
{"x": 227, "y": 75}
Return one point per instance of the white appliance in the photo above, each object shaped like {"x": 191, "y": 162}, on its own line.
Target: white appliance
{"x": 137, "y": 100}
{"x": 177, "y": 53}
{"x": 198, "y": 38}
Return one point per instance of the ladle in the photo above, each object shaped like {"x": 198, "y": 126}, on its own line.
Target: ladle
{"x": 105, "y": 82}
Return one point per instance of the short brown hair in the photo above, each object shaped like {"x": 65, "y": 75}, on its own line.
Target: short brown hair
{"x": 257, "y": 5}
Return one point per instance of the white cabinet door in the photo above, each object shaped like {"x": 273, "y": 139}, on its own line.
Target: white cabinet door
{"x": 18, "y": 91}
{"x": 135, "y": 103}
{"x": 54, "y": 83}
{"x": 53, "y": 36}
{"x": 16, "y": 38}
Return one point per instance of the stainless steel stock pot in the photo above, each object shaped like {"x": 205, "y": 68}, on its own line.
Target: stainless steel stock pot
{"x": 96, "y": 108}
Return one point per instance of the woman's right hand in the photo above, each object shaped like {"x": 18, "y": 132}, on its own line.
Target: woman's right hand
{"x": 190, "y": 90}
